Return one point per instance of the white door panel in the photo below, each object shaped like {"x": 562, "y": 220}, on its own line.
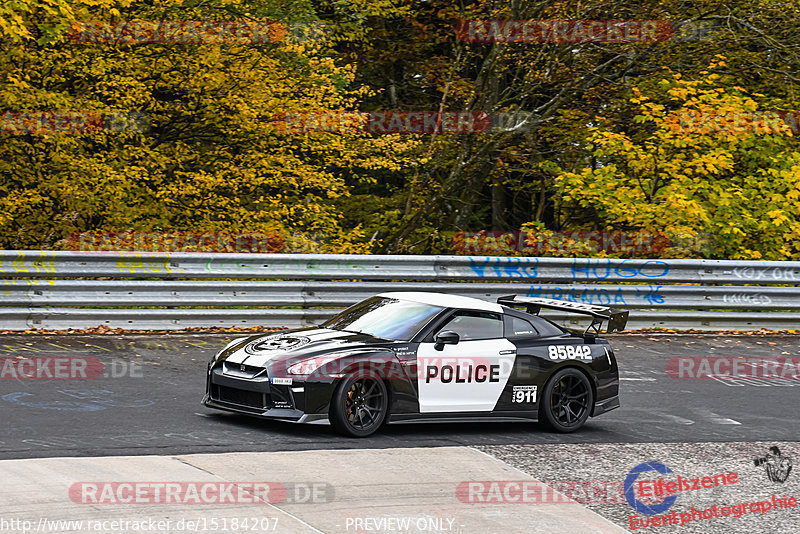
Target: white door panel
{"x": 466, "y": 377}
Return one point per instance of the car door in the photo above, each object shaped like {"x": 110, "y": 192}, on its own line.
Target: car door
{"x": 531, "y": 337}
{"x": 468, "y": 376}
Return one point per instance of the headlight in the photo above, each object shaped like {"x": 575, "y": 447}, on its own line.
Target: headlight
{"x": 303, "y": 368}
{"x": 306, "y": 367}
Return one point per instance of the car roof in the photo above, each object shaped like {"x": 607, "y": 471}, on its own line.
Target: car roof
{"x": 445, "y": 301}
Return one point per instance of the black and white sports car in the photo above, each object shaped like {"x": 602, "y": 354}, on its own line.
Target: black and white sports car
{"x": 412, "y": 357}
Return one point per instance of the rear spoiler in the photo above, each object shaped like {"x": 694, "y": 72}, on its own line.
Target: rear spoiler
{"x": 617, "y": 319}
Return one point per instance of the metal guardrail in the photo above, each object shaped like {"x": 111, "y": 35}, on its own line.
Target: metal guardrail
{"x": 337, "y": 294}
{"x": 60, "y": 290}
{"x": 61, "y": 264}
{"x": 162, "y": 319}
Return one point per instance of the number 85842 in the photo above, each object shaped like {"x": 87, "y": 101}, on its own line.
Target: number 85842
{"x": 569, "y": 352}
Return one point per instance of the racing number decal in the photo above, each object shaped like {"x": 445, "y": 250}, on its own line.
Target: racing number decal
{"x": 521, "y": 394}
{"x": 469, "y": 376}
{"x": 571, "y": 352}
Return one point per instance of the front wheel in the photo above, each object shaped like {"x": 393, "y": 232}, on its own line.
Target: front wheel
{"x": 567, "y": 400}
{"x": 359, "y": 406}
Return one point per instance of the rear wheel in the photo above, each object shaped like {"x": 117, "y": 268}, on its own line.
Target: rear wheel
{"x": 359, "y": 406}
{"x": 567, "y": 400}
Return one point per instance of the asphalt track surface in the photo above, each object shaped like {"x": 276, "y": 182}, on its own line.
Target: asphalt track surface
{"x": 153, "y": 404}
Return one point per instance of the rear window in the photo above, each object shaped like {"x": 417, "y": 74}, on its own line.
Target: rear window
{"x": 521, "y": 327}
{"x": 545, "y": 327}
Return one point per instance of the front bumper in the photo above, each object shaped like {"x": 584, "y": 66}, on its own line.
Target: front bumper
{"x": 253, "y": 392}
{"x": 276, "y": 414}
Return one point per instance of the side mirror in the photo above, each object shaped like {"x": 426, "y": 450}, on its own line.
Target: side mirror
{"x": 448, "y": 337}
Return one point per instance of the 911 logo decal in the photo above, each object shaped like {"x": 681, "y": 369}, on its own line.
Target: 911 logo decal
{"x": 523, "y": 394}
{"x": 571, "y": 352}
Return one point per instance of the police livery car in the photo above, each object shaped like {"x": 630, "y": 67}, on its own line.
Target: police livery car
{"x": 414, "y": 357}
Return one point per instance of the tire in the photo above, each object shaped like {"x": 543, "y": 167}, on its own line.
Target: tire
{"x": 359, "y": 406}
{"x": 567, "y": 401}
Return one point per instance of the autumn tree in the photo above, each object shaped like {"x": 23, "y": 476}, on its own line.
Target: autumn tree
{"x": 209, "y": 158}
{"x": 497, "y": 181}
{"x": 700, "y": 158}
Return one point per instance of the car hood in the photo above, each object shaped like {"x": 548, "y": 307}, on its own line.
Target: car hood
{"x": 297, "y": 345}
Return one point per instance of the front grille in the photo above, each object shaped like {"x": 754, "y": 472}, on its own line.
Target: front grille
{"x": 238, "y": 369}
{"x": 254, "y": 399}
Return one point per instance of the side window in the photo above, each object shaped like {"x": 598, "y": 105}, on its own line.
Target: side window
{"x": 521, "y": 327}
{"x": 472, "y": 326}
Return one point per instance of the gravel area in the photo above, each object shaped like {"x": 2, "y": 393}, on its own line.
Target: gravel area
{"x": 613, "y": 462}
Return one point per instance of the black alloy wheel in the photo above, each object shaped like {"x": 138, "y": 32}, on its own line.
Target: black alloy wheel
{"x": 359, "y": 406}
{"x": 567, "y": 400}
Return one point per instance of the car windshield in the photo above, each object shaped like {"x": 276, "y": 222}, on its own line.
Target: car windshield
{"x": 385, "y": 318}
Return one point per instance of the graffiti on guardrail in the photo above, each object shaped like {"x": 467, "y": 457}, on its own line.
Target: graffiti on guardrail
{"x": 337, "y": 265}
{"x": 589, "y": 269}
{"x": 649, "y": 295}
{"x": 44, "y": 263}
{"x": 746, "y": 298}
{"x": 312, "y": 265}
{"x": 505, "y": 267}
{"x": 148, "y": 267}
{"x": 32, "y": 282}
{"x": 767, "y": 273}
{"x": 582, "y": 268}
